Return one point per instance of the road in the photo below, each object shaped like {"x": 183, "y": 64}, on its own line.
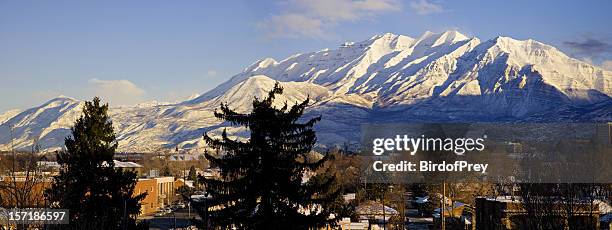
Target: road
{"x": 168, "y": 221}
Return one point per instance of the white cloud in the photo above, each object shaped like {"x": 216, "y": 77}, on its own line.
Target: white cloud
{"x": 117, "y": 92}
{"x": 607, "y": 65}
{"x": 423, "y": 7}
{"x": 293, "y": 26}
{"x": 315, "y": 18}
{"x": 211, "y": 73}
{"x": 345, "y": 10}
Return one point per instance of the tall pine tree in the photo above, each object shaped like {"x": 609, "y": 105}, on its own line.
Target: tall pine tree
{"x": 261, "y": 184}
{"x": 192, "y": 174}
{"x": 97, "y": 195}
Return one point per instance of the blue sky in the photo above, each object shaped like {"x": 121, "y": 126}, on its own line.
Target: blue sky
{"x": 135, "y": 51}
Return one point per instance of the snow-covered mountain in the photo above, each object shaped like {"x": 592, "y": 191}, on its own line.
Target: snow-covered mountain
{"x": 8, "y": 115}
{"x": 392, "y": 78}
{"x": 47, "y": 124}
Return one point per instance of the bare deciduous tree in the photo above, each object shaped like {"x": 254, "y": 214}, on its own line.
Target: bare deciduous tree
{"x": 22, "y": 182}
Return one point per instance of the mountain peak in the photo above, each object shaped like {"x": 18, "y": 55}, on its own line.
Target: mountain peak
{"x": 387, "y": 35}
{"x": 261, "y": 64}
{"x": 437, "y": 77}
{"x": 510, "y": 45}
{"x": 61, "y": 99}
{"x": 61, "y": 96}
{"x": 241, "y": 95}
{"x": 454, "y": 34}
{"x": 258, "y": 78}
{"x": 266, "y": 62}
{"x": 436, "y": 39}
{"x": 390, "y": 40}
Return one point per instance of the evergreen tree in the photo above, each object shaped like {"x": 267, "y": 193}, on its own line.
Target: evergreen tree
{"x": 166, "y": 170}
{"x": 97, "y": 195}
{"x": 192, "y": 174}
{"x": 261, "y": 184}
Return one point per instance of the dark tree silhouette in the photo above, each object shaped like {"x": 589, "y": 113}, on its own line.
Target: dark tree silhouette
{"x": 261, "y": 184}
{"x": 192, "y": 174}
{"x": 97, "y": 195}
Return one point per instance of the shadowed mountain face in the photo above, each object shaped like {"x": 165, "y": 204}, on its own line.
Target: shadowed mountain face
{"x": 445, "y": 77}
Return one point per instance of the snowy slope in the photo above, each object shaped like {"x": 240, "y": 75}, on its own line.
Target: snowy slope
{"x": 241, "y": 96}
{"x": 8, "y": 115}
{"x": 48, "y": 123}
{"x": 182, "y": 124}
{"x": 392, "y": 78}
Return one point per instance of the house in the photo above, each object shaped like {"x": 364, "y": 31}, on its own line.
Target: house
{"x": 376, "y": 213}
{"x": 184, "y": 157}
{"x": 348, "y": 197}
{"x": 508, "y": 213}
{"x": 346, "y": 224}
{"x": 48, "y": 166}
{"x": 130, "y": 166}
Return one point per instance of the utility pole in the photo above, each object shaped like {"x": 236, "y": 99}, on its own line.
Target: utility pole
{"x": 383, "y": 209}
{"x": 206, "y": 213}
{"x": 124, "y": 214}
{"x": 403, "y": 207}
{"x": 442, "y": 218}
{"x": 174, "y": 215}
{"x": 13, "y": 151}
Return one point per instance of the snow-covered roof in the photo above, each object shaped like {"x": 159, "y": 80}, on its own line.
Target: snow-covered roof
{"x": 51, "y": 164}
{"x": 349, "y": 197}
{"x": 374, "y": 208}
{"x": 125, "y": 164}
{"x": 184, "y": 157}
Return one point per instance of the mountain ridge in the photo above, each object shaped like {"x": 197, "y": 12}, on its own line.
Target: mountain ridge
{"x": 446, "y": 77}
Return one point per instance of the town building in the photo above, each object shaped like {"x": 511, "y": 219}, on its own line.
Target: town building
{"x": 501, "y": 213}
{"x": 161, "y": 191}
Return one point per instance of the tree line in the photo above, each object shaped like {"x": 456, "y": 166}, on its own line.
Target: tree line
{"x": 261, "y": 184}
{"x": 270, "y": 180}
